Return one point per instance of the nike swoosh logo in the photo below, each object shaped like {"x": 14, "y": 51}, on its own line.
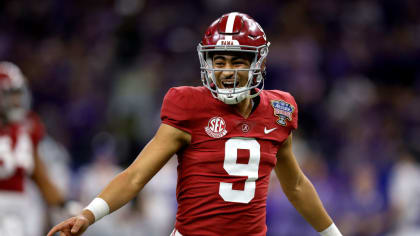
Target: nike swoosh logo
{"x": 267, "y": 131}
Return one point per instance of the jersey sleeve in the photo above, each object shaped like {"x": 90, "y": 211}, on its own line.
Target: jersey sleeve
{"x": 174, "y": 109}
{"x": 294, "y": 122}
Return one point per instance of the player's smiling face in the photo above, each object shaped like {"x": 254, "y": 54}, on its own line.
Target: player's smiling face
{"x": 229, "y": 63}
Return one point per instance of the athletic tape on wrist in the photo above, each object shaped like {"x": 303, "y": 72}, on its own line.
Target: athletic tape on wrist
{"x": 332, "y": 230}
{"x": 99, "y": 208}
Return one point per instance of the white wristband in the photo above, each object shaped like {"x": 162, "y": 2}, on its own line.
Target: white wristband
{"x": 99, "y": 208}
{"x": 332, "y": 230}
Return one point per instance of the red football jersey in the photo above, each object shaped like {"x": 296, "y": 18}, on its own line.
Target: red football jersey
{"x": 223, "y": 174}
{"x": 18, "y": 144}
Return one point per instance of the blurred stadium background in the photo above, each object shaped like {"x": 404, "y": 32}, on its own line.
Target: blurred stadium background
{"x": 98, "y": 71}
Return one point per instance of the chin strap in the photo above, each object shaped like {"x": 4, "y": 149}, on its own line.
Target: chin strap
{"x": 16, "y": 114}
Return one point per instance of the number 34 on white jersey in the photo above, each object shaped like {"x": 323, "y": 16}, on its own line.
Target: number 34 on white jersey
{"x": 11, "y": 158}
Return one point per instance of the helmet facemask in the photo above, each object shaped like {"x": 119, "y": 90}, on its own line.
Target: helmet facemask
{"x": 256, "y": 72}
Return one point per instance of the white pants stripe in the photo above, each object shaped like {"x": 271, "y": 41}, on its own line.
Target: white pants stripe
{"x": 175, "y": 233}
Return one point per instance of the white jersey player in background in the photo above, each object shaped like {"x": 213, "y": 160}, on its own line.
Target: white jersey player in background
{"x": 24, "y": 181}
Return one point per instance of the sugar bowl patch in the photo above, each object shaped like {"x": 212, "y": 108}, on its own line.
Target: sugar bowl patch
{"x": 216, "y": 127}
{"x": 283, "y": 111}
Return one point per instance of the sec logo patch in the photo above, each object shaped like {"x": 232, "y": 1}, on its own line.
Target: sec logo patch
{"x": 216, "y": 127}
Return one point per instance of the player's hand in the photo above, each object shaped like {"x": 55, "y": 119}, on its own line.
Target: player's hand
{"x": 64, "y": 211}
{"x": 74, "y": 226}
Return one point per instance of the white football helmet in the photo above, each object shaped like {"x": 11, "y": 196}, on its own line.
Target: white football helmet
{"x": 15, "y": 98}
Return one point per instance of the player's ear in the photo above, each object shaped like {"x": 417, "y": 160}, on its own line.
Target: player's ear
{"x": 263, "y": 64}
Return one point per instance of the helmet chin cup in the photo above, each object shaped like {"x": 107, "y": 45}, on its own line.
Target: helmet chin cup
{"x": 17, "y": 114}
{"x": 233, "y": 98}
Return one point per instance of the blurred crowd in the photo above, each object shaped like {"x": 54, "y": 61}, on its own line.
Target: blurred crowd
{"x": 98, "y": 71}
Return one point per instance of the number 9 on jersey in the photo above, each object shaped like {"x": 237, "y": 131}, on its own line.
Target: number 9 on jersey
{"x": 233, "y": 168}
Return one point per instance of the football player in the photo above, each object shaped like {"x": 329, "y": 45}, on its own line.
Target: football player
{"x": 20, "y": 133}
{"x": 228, "y": 135}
